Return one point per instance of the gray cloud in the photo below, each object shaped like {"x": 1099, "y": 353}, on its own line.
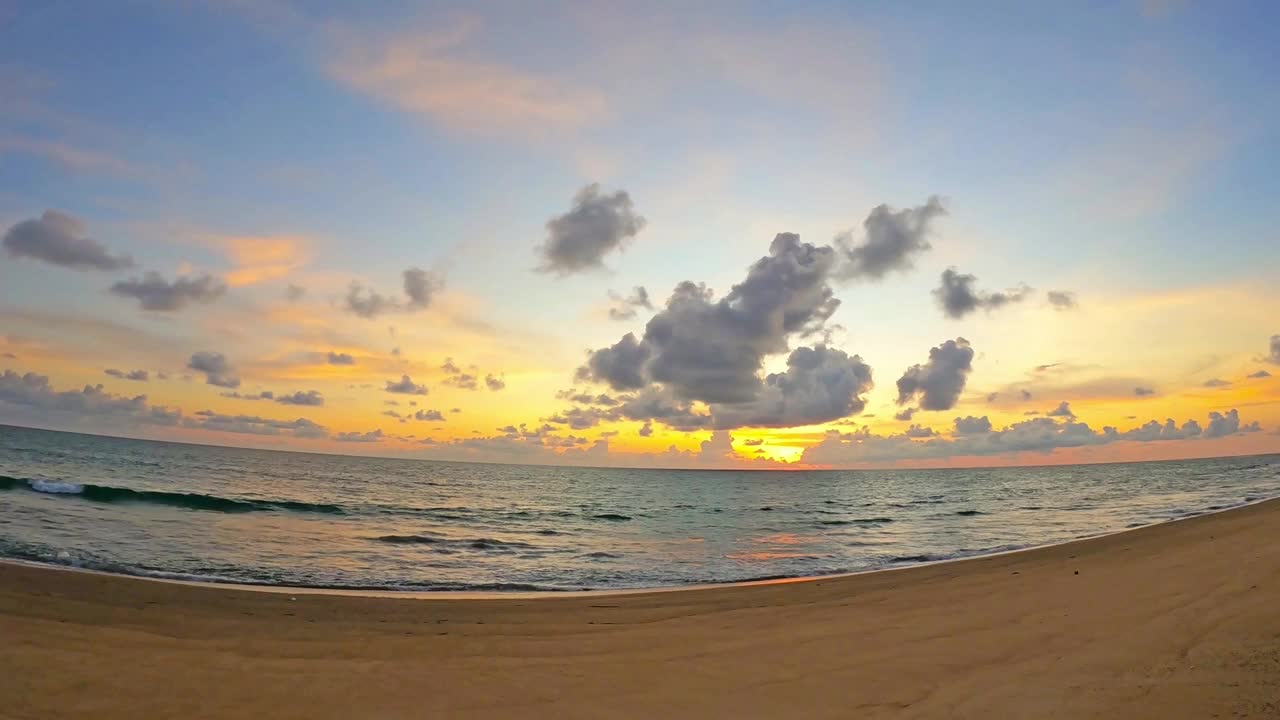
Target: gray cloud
{"x": 335, "y": 358}
{"x": 494, "y": 382}
{"x": 216, "y": 368}
{"x": 1259, "y": 374}
{"x": 135, "y": 375}
{"x": 1063, "y": 410}
{"x": 33, "y": 391}
{"x": 294, "y": 293}
{"x": 915, "y": 431}
{"x": 628, "y": 307}
{"x": 1143, "y": 391}
{"x": 420, "y": 286}
{"x": 1216, "y": 383}
{"x": 938, "y": 383}
{"x": 713, "y": 351}
{"x": 1026, "y": 394}
{"x": 596, "y": 225}
{"x": 264, "y": 395}
{"x": 1273, "y": 351}
{"x": 254, "y": 425}
{"x": 1061, "y": 299}
{"x": 904, "y": 415}
{"x": 60, "y": 239}
{"x": 464, "y": 381}
{"x": 311, "y": 398}
{"x": 1042, "y": 434}
{"x": 405, "y": 386}
{"x": 367, "y": 303}
{"x": 820, "y": 384}
{"x": 645, "y": 430}
{"x": 372, "y": 436}
{"x": 429, "y": 415}
{"x": 155, "y": 294}
{"x": 958, "y": 297}
{"x": 971, "y": 425}
{"x": 892, "y": 240}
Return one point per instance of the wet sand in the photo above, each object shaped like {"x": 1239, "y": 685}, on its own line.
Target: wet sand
{"x": 1180, "y": 620}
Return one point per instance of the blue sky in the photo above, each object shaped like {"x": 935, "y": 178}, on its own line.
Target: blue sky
{"x": 1123, "y": 151}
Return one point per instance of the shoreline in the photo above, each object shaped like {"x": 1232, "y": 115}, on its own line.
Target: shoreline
{"x": 604, "y": 592}
{"x": 1173, "y": 620}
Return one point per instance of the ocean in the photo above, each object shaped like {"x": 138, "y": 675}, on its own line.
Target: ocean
{"x": 233, "y": 515}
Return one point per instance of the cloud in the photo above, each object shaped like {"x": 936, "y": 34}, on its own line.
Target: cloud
{"x": 1061, "y": 299}
{"x": 254, "y": 425}
{"x": 713, "y": 351}
{"x": 310, "y": 397}
{"x": 1273, "y": 351}
{"x": 371, "y": 436}
{"x": 1216, "y": 383}
{"x": 494, "y": 382}
{"x": 820, "y": 384}
{"x": 155, "y": 294}
{"x": 1143, "y": 391}
{"x": 60, "y": 239}
{"x": 264, "y": 395}
{"x": 904, "y": 415}
{"x": 336, "y": 358}
{"x": 34, "y": 392}
{"x": 429, "y": 415}
{"x": 628, "y": 307}
{"x": 136, "y": 375}
{"x": 294, "y": 293}
{"x": 263, "y": 258}
{"x": 892, "y": 239}
{"x": 971, "y": 425}
{"x": 596, "y": 226}
{"x": 1259, "y": 374}
{"x": 430, "y": 74}
{"x": 405, "y": 386}
{"x": 1063, "y": 410}
{"x": 216, "y": 368}
{"x": 915, "y": 431}
{"x": 938, "y": 383}
{"x": 645, "y": 430}
{"x": 1041, "y": 434}
{"x": 958, "y": 298}
{"x": 1026, "y": 394}
{"x": 463, "y": 381}
{"x": 420, "y": 285}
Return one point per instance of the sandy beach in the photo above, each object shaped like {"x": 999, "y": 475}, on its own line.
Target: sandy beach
{"x": 1178, "y": 620}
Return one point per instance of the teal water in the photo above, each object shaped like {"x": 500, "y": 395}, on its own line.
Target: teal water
{"x": 264, "y": 517}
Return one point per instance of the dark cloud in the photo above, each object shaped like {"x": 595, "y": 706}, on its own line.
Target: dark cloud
{"x": 405, "y": 386}
{"x": 661, "y": 404}
{"x": 712, "y": 351}
{"x": 905, "y": 415}
{"x": 1026, "y": 394}
{"x": 596, "y": 226}
{"x": 429, "y": 415}
{"x": 971, "y": 425}
{"x": 367, "y": 303}
{"x": 60, "y": 239}
{"x": 628, "y": 307}
{"x": 938, "y": 383}
{"x": 892, "y": 240}
{"x": 1063, "y": 410}
{"x": 294, "y": 293}
{"x": 34, "y": 391}
{"x": 420, "y": 285}
{"x": 1216, "y": 383}
{"x": 991, "y": 397}
{"x": 580, "y": 418}
{"x": 915, "y": 431}
{"x": 310, "y": 397}
{"x": 136, "y": 375}
{"x": 494, "y": 382}
{"x": 1259, "y": 374}
{"x": 335, "y": 358}
{"x": 1061, "y": 299}
{"x": 958, "y": 297}
{"x": 155, "y": 294}
{"x": 254, "y": 425}
{"x": 1273, "y": 351}
{"x": 1143, "y": 391}
{"x": 372, "y": 436}
{"x": 645, "y": 430}
{"x": 465, "y": 381}
{"x": 264, "y": 395}
{"x": 820, "y": 384}
{"x": 1042, "y": 434}
{"x": 216, "y": 368}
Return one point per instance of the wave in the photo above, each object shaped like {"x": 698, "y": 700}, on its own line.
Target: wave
{"x": 969, "y": 513}
{"x": 190, "y": 501}
{"x": 858, "y": 521}
{"x": 612, "y": 516}
{"x": 473, "y": 543}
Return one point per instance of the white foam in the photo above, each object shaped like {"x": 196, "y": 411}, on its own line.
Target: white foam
{"x": 53, "y": 486}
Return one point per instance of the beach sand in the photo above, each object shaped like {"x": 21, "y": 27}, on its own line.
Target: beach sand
{"x": 1180, "y": 620}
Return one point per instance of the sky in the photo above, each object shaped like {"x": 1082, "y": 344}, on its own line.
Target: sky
{"x": 737, "y": 235}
